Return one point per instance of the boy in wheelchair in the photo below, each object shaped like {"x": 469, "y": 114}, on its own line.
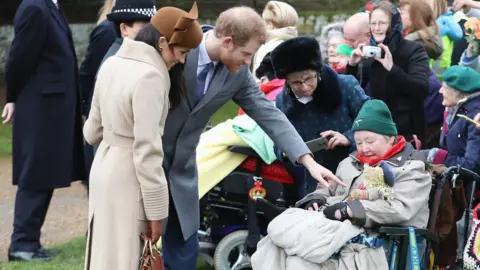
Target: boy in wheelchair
{"x": 338, "y": 229}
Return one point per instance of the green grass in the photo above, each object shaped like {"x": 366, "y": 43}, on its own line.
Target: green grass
{"x": 5, "y": 139}
{"x": 72, "y": 252}
{"x": 71, "y": 257}
{"x": 227, "y": 111}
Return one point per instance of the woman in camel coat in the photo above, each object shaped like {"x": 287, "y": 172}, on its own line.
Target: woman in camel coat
{"x": 128, "y": 188}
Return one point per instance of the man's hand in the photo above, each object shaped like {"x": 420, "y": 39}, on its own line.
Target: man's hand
{"x": 477, "y": 120}
{"x": 335, "y": 139}
{"x": 357, "y": 55}
{"x": 320, "y": 173}
{"x": 155, "y": 228}
{"x": 8, "y": 111}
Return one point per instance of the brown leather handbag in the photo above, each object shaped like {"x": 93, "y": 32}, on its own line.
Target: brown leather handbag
{"x": 151, "y": 258}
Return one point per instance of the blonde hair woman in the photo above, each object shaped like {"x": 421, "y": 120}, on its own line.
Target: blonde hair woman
{"x": 104, "y": 10}
{"x": 281, "y": 20}
{"x": 132, "y": 97}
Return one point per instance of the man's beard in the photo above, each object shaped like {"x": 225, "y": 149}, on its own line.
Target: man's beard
{"x": 230, "y": 64}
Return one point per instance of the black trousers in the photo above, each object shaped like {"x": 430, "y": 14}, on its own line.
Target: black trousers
{"x": 31, "y": 207}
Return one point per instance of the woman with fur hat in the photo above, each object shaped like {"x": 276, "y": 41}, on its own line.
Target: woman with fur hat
{"x": 132, "y": 97}
{"x": 316, "y": 100}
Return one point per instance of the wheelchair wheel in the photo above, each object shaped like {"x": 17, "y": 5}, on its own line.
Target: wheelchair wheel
{"x": 230, "y": 252}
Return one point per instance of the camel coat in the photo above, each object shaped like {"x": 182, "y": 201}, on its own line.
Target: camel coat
{"x": 127, "y": 185}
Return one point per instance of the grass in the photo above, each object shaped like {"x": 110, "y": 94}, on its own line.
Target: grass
{"x": 71, "y": 257}
{"x": 72, "y": 252}
{"x": 5, "y": 139}
{"x": 227, "y": 111}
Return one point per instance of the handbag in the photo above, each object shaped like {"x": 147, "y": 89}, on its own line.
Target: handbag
{"x": 150, "y": 258}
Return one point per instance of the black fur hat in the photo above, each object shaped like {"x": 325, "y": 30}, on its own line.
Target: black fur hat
{"x": 266, "y": 68}
{"x": 296, "y": 54}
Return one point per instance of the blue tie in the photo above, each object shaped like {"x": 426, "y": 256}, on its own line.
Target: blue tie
{"x": 201, "y": 79}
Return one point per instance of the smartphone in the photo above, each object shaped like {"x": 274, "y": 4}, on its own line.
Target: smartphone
{"x": 318, "y": 144}
{"x": 468, "y": 119}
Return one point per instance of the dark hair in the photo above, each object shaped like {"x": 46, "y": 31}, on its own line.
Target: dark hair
{"x": 117, "y": 27}
{"x": 150, "y": 35}
{"x": 128, "y": 23}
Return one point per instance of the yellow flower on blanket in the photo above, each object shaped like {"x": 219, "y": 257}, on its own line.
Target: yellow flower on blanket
{"x": 374, "y": 185}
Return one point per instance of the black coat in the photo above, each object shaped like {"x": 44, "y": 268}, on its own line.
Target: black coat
{"x": 41, "y": 76}
{"x": 101, "y": 38}
{"x": 403, "y": 88}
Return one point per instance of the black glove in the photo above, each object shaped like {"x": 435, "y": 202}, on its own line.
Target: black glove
{"x": 330, "y": 210}
{"x": 320, "y": 202}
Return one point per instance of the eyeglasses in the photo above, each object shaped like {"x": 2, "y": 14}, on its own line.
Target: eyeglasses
{"x": 310, "y": 81}
{"x": 373, "y": 24}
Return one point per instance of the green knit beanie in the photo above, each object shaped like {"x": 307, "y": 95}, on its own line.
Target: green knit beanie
{"x": 463, "y": 79}
{"x": 344, "y": 49}
{"x": 375, "y": 116}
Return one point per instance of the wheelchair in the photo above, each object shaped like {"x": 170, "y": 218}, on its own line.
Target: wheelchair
{"x": 400, "y": 235}
{"x": 231, "y": 225}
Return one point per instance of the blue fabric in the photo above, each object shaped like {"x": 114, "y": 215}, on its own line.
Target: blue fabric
{"x": 201, "y": 78}
{"x": 449, "y": 26}
{"x": 178, "y": 253}
{"x": 421, "y": 245}
{"x": 433, "y": 102}
{"x": 309, "y": 121}
{"x": 462, "y": 140}
{"x": 101, "y": 38}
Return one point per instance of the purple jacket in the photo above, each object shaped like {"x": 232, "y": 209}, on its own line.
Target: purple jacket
{"x": 433, "y": 102}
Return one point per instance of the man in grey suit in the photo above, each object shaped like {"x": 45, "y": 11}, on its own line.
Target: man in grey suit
{"x": 216, "y": 72}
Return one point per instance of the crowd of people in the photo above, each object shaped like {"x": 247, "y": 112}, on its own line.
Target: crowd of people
{"x": 395, "y": 88}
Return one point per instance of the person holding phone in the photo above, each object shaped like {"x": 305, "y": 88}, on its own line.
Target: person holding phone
{"x": 399, "y": 74}
{"x": 317, "y": 101}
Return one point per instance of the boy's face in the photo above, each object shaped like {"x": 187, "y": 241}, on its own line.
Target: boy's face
{"x": 131, "y": 32}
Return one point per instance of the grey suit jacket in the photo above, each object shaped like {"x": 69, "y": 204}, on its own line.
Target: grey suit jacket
{"x": 186, "y": 122}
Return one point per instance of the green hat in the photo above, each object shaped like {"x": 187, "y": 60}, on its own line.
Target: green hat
{"x": 344, "y": 49}
{"x": 463, "y": 79}
{"x": 375, "y": 116}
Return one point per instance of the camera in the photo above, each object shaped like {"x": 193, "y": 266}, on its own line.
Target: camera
{"x": 373, "y": 52}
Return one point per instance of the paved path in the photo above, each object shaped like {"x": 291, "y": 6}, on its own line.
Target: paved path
{"x": 66, "y": 218}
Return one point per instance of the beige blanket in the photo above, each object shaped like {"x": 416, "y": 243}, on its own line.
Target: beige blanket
{"x": 302, "y": 240}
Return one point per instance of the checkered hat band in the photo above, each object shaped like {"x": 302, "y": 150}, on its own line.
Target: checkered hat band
{"x": 143, "y": 11}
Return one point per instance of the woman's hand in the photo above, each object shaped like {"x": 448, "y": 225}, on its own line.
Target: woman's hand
{"x": 356, "y": 55}
{"x": 320, "y": 173}
{"x": 387, "y": 61}
{"x": 335, "y": 139}
{"x": 155, "y": 228}
{"x": 8, "y": 111}
{"x": 466, "y": 5}
{"x": 314, "y": 205}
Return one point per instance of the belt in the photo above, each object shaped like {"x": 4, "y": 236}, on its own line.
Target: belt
{"x": 117, "y": 140}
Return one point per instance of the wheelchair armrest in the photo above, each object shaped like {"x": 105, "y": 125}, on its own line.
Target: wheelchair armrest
{"x": 402, "y": 231}
{"x": 244, "y": 150}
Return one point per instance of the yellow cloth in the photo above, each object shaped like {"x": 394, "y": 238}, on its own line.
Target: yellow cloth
{"x": 214, "y": 160}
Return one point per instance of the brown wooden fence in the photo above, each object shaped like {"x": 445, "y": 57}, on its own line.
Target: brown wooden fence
{"x": 85, "y": 11}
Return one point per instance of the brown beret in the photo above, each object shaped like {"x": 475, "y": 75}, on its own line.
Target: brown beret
{"x": 179, "y": 27}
